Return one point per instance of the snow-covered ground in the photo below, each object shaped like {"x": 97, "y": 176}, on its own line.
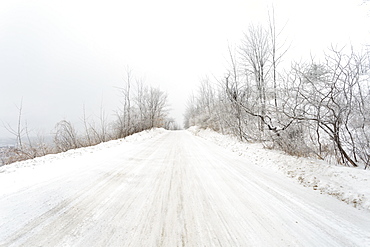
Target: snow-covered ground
{"x": 33, "y": 170}
{"x": 350, "y": 185}
{"x": 169, "y": 188}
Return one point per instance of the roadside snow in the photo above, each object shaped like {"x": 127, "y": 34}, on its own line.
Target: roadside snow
{"x": 349, "y": 185}
{"x": 20, "y": 175}
{"x": 47, "y": 159}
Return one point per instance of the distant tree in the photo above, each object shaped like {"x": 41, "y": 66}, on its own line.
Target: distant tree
{"x": 156, "y": 101}
{"x": 143, "y": 108}
{"x": 170, "y": 124}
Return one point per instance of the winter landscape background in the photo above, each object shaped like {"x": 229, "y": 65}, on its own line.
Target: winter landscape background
{"x": 196, "y": 123}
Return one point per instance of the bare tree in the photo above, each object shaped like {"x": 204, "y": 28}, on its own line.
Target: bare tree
{"x": 277, "y": 50}
{"x": 170, "y": 124}
{"x": 126, "y": 90}
{"x": 103, "y": 135}
{"x": 157, "y": 103}
{"x": 139, "y": 100}
{"x": 22, "y": 150}
{"x": 255, "y": 53}
{"x": 333, "y": 95}
{"x": 190, "y": 112}
{"x": 88, "y": 136}
{"x": 19, "y": 132}
{"x": 237, "y": 92}
{"x": 65, "y": 136}
{"x": 123, "y": 124}
{"x": 143, "y": 108}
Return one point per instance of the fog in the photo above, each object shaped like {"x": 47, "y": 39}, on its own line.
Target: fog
{"x": 58, "y": 57}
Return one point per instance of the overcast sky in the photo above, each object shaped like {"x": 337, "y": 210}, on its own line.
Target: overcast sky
{"x": 61, "y": 55}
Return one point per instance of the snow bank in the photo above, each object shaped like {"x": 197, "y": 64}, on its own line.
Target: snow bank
{"x": 350, "y": 185}
{"x": 73, "y": 153}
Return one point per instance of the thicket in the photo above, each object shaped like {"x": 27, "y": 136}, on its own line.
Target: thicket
{"x": 142, "y": 107}
{"x": 318, "y": 108}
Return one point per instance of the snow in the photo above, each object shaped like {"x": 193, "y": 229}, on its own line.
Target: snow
{"x": 170, "y": 188}
{"x": 73, "y": 153}
{"x": 350, "y": 185}
{"x": 68, "y": 166}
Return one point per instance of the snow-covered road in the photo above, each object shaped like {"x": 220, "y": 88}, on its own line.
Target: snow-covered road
{"x": 174, "y": 189}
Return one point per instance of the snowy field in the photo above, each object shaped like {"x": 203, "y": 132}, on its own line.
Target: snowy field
{"x": 173, "y": 188}
{"x": 350, "y": 185}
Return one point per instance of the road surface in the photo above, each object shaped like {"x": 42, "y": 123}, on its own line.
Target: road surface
{"x": 175, "y": 189}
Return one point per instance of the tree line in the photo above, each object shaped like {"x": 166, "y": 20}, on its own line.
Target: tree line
{"x": 318, "y": 108}
{"x": 142, "y": 107}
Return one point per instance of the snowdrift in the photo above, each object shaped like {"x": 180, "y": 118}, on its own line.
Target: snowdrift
{"x": 350, "y": 185}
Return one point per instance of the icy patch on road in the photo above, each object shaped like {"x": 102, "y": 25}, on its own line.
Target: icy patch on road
{"x": 350, "y": 185}
{"x": 47, "y": 159}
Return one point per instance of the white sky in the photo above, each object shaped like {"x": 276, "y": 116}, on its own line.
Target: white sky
{"x": 59, "y": 55}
